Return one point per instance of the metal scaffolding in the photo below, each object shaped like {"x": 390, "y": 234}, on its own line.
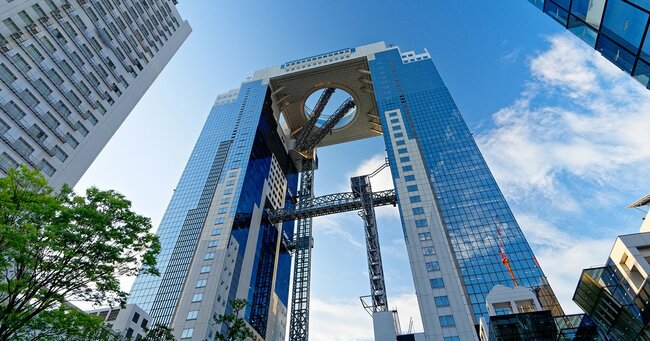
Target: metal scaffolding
{"x": 302, "y": 244}
{"x": 309, "y": 142}
{"x": 315, "y": 114}
{"x": 363, "y": 190}
{"x": 330, "y": 204}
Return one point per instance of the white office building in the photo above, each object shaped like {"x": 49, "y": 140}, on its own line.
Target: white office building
{"x": 130, "y": 322}
{"x": 70, "y": 73}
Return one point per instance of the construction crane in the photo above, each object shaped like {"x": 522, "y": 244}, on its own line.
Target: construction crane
{"x": 502, "y": 252}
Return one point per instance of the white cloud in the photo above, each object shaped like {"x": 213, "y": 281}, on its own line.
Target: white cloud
{"x": 563, "y": 255}
{"x": 331, "y": 225}
{"x": 345, "y": 319}
{"x": 381, "y": 181}
{"x": 579, "y": 117}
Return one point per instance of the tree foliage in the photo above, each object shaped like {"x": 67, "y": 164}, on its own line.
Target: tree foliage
{"x": 65, "y": 324}
{"x": 236, "y": 327}
{"x": 59, "y": 245}
{"x": 160, "y": 333}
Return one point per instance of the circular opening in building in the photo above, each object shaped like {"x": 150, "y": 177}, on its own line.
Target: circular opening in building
{"x": 336, "y": 100}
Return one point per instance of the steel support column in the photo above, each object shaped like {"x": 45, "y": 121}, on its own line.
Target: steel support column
{"x": 362, "y": 189}
{"x": 302, "y": 244}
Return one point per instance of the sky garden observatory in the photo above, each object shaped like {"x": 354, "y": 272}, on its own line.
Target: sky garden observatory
{"x": 239, "y": 224}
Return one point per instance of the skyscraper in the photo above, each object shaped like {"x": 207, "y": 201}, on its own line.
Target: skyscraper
{"x": 256, "y": 155}
{"x": 618, "y": 29}
{"x": 72, "y": 71}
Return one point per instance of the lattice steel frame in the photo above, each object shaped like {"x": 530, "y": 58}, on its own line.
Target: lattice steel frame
{"x": 303, "y": 243}
{"x": 361, "y": 188}
{"x": 330, "y": 204}
{"x": 315, "y": 114}
{"x": 310, "y": 142}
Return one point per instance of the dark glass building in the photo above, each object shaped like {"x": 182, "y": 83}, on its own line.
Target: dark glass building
{"x": 617, "y": 296}
{"x": 618, "y": 29}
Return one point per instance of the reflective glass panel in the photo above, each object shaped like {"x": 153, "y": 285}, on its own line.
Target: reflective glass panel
{"x": 625, "y": 24}
{"x": 590, "y": 11}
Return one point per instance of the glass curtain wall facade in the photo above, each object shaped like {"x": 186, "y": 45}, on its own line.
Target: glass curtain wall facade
{"x": 449, "y": 201}
{"x": 216, "y": 246}
{"x": 618, "y": 29}
{"x": 72, "y": 71}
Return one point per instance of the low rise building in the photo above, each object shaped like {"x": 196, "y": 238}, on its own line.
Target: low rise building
{"x": 131, "y": 321}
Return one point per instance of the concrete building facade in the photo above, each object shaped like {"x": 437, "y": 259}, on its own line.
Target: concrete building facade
{"x": 72, "y": 71}
{"x": 129, "y": 322}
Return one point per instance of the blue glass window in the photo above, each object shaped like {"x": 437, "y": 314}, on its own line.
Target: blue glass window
{"x": 197, "y": 297}
{"x": 402, "y": 151}
{"x": 208, "y": 256}
{"x": 392, "y": 114}
{"x": 219, "y": 221}
{"x": 205, "y": 269}
{"x": 563, "y": 3}
{"x": 437, "y": 283}
{"x": 589, "y": 11}
{"x": 409, "y": 178}
{"x": 424, "y": 236}
{"x": 216, "y": 232}
{"x": 230, "y": 182}
{"x": 447, "y": 321}
{"x": 428, "y": 250}
{"x": 418, "y": 210}
{"x": 642, "y": 72}
{"x": 192, "y": 314}
{"x": 225, "y": 200}
{"x": 222, "y": 210}
{"x": 405, "y": 159}
{"x": 556, "y": 12}
{"x": 201, "y": 283}
{"x": 213, "y": 243}
{"x": 421, "y": 223}
{"x": 397, "y": 127}
{"x": 615, "y": 53}
{"x": 400, "y": 142}
{"x": 582, "y": 31}
{"x": 451, "y": 338}
{"x": 414, "y": 199}
{"x": 187, "y": 333}
{"x": 538, "y": 3}
{"x": 433, "y": 266}
{"x": 394, "y": 120}
{"x": 399, "y": 135}
{"x": 625, "y": 24}
{"x": 407, "y": 168}
{"x": 645, "y": 49}
{"x": 227, "y": 191}
{"x": 412, "y": 188}
{"x": 441, "y": 301}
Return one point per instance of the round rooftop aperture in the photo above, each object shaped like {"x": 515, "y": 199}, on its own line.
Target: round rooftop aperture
{"x": 331, "y": 103}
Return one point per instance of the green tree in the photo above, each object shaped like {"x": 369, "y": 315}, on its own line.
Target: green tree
{"x": 160, "y": 333}
{"x": 65, "y": 324}
{"x": 236, "y": 327}
{"x": 58, "y": 245}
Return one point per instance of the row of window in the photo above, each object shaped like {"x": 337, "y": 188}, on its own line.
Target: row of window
{"x": 210, "y": 255}
{"x": 428, "y": 250}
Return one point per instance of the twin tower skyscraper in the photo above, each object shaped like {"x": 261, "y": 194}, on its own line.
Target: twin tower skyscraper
{"x": 251, "y": 158}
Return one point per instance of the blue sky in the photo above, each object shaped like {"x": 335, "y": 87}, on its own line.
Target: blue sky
{"x": 564, "y": 132}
